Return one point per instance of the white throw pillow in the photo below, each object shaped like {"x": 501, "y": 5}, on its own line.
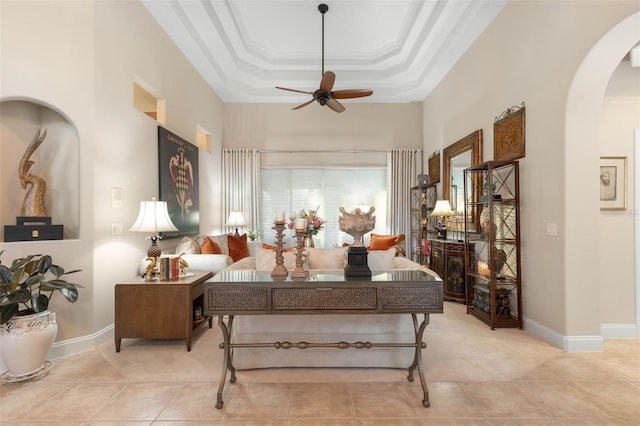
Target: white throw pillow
{"x": 334, "y": 258}
{"x": 379, "y": 260}
{"x": 266, "y": 260}
{"x": 187, "y": 246}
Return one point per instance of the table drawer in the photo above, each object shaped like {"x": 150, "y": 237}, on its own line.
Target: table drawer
{"x": 324, "y": 298}
{"x": 236, "y": 299}
{"x": 412, "y": 298}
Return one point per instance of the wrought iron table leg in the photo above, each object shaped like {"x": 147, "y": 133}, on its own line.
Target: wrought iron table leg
{"x": 417, "y": 359}
{"x": 226, "y": 361}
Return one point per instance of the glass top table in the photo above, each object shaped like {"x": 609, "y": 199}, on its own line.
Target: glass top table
{"x": 249, "y": 292}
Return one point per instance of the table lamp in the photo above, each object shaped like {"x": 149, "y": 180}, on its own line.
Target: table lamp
{"x": 235, "y": 219}
{"x": 153, "y": 218}
{"x": 442, "y": 208}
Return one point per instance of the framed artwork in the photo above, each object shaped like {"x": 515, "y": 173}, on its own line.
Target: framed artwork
{"x": 178, "y": 176}
{"x": 613, "y": 183}
{"x": 509, "y": 134}
{"x": 434, "y": 168}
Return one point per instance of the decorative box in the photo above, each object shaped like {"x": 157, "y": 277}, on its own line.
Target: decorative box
{"x": 33, "y": 229}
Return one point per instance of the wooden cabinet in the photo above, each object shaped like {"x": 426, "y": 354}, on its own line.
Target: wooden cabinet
{"x": 160, "y": 309}
{"x": 448, "y": 260}
{"x": 494, "y": 287}
{"x": 423, "y": 225}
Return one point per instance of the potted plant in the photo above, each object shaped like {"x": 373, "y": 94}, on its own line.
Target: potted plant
{"x": 26, "y": 289}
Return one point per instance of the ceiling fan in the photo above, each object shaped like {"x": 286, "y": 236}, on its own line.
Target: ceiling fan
{"x": 325, "y": 95}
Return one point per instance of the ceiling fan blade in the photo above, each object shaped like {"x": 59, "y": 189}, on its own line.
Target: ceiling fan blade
{"x": 335, "y": 105}
{"x": 352, "y": 93}
{"x": 326, "y": 84}
{"x": 303, "y": 105}
{"x": 294, "y": 90}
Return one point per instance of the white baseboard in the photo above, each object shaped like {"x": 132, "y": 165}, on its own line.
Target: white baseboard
{"x": 80, "y": 344}
{"x": 567, "y": 343}
{"x": 619, "y": 331}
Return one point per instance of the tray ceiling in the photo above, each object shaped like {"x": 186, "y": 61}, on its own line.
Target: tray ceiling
{"x": 400, "y": 49}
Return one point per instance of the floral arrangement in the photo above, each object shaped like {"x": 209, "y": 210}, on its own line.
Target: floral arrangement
{"x": 314, "y": 222}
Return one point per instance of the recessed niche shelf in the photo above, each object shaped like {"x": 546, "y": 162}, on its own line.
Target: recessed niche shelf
{"x": 203, "y": 139}
{"x": 147, "y": 103}
{"x": 56, "y": 160}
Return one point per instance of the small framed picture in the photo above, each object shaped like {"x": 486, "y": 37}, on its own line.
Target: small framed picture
{"x": 613, "y": 183}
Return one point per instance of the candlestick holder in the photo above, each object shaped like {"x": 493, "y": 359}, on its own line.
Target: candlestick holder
{"x": 280, "y": 271}
{"x": 301, "y": 256}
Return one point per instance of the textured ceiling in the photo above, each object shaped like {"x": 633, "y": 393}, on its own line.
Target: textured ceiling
{"x": 400, "y": 49}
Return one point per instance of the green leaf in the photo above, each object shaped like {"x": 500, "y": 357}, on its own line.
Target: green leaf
{"x": 7, "y": 312}
{"x": 44, "y": 263}
{"x": 71, "y": 293}
{"x": 39, "y": 302}
{"x": 5, "y": 274}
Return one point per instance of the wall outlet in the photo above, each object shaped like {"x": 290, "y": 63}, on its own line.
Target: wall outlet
{"x": 552, "y": 229}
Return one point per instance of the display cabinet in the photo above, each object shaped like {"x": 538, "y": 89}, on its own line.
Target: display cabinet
{"x": 494, "y": 285}
{"x": 423, "y": 225}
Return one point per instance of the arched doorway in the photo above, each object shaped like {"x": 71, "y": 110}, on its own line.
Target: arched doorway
{"x": 583, "y": 113}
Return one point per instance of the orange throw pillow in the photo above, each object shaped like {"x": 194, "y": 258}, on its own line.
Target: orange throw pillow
{"x": 210, "y": 247}
{"x": 238, "y": 247}
{"x": 382, "y": 242}
{"x": 270, "y": 247}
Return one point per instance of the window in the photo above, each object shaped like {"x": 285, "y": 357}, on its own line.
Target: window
{"x": 328, "y": 189}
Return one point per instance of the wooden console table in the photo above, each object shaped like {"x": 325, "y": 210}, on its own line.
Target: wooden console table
{"x": 249, "y": 292}
{"x": 160, "y": 309}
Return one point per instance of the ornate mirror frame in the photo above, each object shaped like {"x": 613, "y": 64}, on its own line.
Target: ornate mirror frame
{"x": 472, "y": 143}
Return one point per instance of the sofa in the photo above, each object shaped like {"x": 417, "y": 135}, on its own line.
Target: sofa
{"x": 214, "y": 260}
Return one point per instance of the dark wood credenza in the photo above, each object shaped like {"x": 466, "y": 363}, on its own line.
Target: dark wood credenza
{"x": 160, "y": 309}
{"x": 249, "y": 292}
{"x": 447, "y": 260}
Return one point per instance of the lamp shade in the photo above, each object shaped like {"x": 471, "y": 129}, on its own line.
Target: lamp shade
{"x": 153, "y": 218}
{"x": 442, "y": 208}
{"x": 235, "y": 219}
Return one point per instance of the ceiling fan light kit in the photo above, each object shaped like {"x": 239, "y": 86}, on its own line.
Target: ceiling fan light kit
{"x": 325, "y": 95}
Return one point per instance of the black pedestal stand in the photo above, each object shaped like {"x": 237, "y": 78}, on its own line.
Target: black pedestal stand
{"x": 357, "y": 263}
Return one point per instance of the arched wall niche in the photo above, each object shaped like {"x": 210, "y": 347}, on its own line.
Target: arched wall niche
{"x": 57, "y": 161}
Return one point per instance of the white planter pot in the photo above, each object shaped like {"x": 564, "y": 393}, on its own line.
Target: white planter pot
{"x": 25, "y": 342}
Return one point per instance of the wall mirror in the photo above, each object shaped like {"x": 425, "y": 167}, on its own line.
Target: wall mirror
{"x": 464, "y": 153}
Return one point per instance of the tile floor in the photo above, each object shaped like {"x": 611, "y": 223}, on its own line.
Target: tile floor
{"x": 476, "y": 377}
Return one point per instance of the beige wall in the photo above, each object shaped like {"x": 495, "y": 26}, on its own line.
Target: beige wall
{"x": 531, "y": 53}
{"x": 363, "y": 127}
{"x": 82, "y": 58}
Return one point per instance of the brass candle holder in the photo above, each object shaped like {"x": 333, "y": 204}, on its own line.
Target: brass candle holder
{"x": 280, "y": 271}
{"x": 299, "y": 271}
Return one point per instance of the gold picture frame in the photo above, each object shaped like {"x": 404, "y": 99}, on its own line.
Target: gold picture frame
{"x": 613, "y": 183}
{"x": 509, "y": 134}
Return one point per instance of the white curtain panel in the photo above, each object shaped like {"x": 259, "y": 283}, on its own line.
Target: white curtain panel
{"x": 403, "y": 167}
{"x": 241, "y": 185}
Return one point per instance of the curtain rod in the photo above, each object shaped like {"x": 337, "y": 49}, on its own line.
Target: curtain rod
{"x": 339, "y": 151}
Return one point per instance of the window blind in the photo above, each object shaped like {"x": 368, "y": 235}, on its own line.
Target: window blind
{"x": 324, "y": 189}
